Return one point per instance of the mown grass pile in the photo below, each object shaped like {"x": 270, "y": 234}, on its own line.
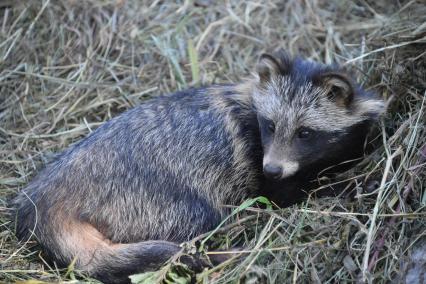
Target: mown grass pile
{"x": 68, "y": 66}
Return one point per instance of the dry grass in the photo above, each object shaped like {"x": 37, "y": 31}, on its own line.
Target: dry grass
{"x": 66, "y": 66}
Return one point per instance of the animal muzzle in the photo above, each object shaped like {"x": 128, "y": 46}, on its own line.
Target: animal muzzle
{"x": 277, "y": 171}
{"x": 273, "y": 171}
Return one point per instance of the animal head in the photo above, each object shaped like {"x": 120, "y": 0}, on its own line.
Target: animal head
{"x": 310, "y": 115}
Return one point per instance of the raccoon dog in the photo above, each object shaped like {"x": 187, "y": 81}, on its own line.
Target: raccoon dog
{"x": 121, "y": 200}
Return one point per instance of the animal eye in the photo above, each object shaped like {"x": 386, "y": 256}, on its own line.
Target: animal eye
{"x": 304, "y": 133}
{"x": 271, "y": 127}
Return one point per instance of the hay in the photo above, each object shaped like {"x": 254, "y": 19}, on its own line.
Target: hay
{"x": 67, "y": 66}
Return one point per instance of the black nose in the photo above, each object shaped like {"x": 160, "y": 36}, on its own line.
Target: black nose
{"x": 272, "y": 171}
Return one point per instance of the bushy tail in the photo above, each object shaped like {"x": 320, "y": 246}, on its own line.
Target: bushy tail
{"x": 66, "y": 239}
{"x": 115, "y": 263}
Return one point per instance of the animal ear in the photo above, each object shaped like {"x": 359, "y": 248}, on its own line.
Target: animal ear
{"x": 268, "y": 66}
{"x": 277, "y": 64}
{"x": 339, "y": 88}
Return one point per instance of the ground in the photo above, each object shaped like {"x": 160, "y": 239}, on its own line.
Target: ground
{"x": 66, "y": 66}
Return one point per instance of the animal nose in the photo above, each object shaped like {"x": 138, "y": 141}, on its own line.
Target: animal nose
{"x": 272, "y": 171}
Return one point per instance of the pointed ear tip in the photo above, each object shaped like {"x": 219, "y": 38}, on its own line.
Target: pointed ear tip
{"x": 280, "y": 54}
{"x": 266, "y": 56}
{"x": 337, "y": 75}
{"x": 267, "y": 64}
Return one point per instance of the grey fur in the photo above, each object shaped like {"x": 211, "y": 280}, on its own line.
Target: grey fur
{"x": 121, "y": 200}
